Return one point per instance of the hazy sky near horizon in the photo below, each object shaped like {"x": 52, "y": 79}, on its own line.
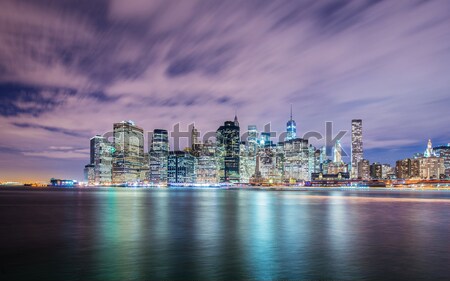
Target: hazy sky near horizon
{"x": 70, "y": 69}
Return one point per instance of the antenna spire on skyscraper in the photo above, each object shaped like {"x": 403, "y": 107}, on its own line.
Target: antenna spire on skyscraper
{"x": 291, "y": 111}
{"x": 236, "y": 122}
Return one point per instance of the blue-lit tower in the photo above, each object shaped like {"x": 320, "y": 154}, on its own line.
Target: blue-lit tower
{"x": 291, "y": 128}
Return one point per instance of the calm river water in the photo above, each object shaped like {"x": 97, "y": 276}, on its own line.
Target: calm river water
{"x": 123, "y": 234}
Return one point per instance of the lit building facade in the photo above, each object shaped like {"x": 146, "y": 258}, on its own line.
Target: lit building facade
{"x": 206, "y": 168}
{"x": 181, "y": 168}
{"x": 314, "y": 159}
{"x": 431, "y": 167}
{"x": 336, "y": 167}
{"x": 376, "y": 171}
{"x": 89, "y": 174}
{"x": 364, "y": 169}
{"x": 356, "y": 148}
{"x": 296, "y": 160}
{"x": 228, "y": 147}
{"x": 269, "y": 168}
{"x": 443, "y": 152}
{"x": 101, "y": 151}
{"x": 407, "y": 168}
{"x": 158, "y": 157}
{"x": 247, "y": 161}
{"x": 387, "y": 172}
{"x": 128, "y": 153}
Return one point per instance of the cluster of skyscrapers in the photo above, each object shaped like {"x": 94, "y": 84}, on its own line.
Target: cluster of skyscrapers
{"x": 250, "y": 159}
{"x": 434, "y": 163}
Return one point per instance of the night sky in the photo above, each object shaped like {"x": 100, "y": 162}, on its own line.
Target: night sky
{"x": 70, "y": 69}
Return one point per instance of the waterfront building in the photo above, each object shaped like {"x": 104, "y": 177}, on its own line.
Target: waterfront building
{"x": 407, "y": 168}
{"x": 364, "y": 169}
{"x": 291, "y": 128}
{"x": 158, "y": 157}
{"x": 206, "y": 169}
{"x": 327, "y": 177}
{"x": 145, "y": 169}
{"x": 128, "y": 153}
{"x": 324, "y": 166}
{"x": 356, "y": 148}
{"x": 268, "y": 166}
{"x": 314, "y": 159}
{"x": 181, "y": 168}
{"x": 376, "y": 171}
{"x": 387, "y": 172}
{"x": 443, "y": 152}
{"x": 431, "y": 167}
{"x": 89, "y": 174}
{"x": 228, "y": 146}
{"x": 296, "y": 160}
{"x": 247, "y": 161}
{"x": 336, "y": 167}
{"x": 101, "y": 152}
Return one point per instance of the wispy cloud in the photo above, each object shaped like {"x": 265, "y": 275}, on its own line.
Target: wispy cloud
{"x": 71, "y": 68}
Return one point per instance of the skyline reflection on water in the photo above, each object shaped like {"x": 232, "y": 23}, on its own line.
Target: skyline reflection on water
{"x": 224, "y": 234}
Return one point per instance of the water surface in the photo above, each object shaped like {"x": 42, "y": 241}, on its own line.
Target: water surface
{"x": 127, "y": 234}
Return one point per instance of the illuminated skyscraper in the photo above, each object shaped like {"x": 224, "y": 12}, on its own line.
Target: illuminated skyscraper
{"x": 364, "y": 169}
{"x": 268, "y": 167}
{"x": 196, "y": 144}
{"x": 443, "y": 152}
{"x": 337, "y": 153}
{"x": 158, "y": 157}
{"x": 376, "y": 171}
{"x": 357, "y": 147}
{"x": 89, "y": 174}
{"x": 206, "y": 171}
{"x": 128, "y": 156}
{"x": 181, "y": 167}
{"x": 407, "y": 168}
{"x": 431, "y": 166}
{"x": 291, "y": 128}
{"x": 296, "y": 160}
{"x": 314, "y": 159}
{"x": 228, "y": 146}
{"x": 101, "y": 160}
{"x": 247, "y": 161}
{"x": 252, "y": 138}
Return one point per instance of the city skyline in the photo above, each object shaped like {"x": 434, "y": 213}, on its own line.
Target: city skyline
{"x": 248, "y": 157}
{"x": 69, "y": 70}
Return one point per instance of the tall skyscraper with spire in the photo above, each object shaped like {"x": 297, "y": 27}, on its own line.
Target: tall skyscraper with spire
{"x": 291, "y": 128}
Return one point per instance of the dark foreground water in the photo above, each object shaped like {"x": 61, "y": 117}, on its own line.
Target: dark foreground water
{"x": 219, "y": 234}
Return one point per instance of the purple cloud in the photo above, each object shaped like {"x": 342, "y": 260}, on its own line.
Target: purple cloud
{"x": 163, "y": 62}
